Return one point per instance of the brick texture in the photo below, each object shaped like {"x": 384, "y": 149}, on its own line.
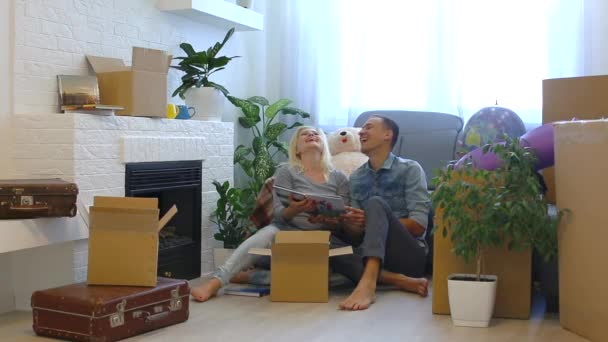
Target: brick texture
{"x": 92, "y": 151}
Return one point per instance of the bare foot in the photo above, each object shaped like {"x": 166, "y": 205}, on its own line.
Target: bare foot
{"x": 416, "y": 285}
{"x": 203, "y": 292}
{"x": 362, "y": 297}
{"x": 405, "y": 283}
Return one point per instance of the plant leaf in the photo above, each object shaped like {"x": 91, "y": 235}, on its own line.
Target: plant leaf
{"x": 188, "y": 49}
{"x": 295, "y": 111}
{"x": 218, "y": 87}
{"x": 250, "y": 109}
{"x": 276, "y": 107}
{"x": 275, "y": 130}
{"x": 259, "y": 100}
{"x": 246, "y": 122}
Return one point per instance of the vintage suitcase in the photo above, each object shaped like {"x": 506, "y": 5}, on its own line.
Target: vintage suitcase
{"x": 30, "y": 198}
{"x": 101, "y": 313}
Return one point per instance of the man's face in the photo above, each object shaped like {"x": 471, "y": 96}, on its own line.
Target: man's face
{"x": 374, "y": 135}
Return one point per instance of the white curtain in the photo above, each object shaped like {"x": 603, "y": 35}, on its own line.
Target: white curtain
{"x": 339, "y": 58}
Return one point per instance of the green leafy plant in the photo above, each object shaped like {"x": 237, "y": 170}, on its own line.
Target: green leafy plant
{"x": 199, "y": 65}
{"x": 231, "y": 214}
{"x": 482, "y": 208}
{"x": 259, "y": 116}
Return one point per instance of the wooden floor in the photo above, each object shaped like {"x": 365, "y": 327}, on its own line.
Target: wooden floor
{"x": 396, "y": 316}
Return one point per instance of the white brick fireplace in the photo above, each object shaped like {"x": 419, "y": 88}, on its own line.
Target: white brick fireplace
{"x": 92, "y": 150}
{"x": 41, "y": 39}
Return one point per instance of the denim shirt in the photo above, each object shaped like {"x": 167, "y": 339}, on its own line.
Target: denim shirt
{"x": 400, "y": 182}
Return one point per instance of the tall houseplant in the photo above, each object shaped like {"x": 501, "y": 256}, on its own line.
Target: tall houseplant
{"x": 197, "y": 89}
{"x": 481, "y": 208}
{"x": 259, "y": 116}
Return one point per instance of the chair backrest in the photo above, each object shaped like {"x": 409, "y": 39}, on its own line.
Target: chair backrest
{"x": 426, "y": 137}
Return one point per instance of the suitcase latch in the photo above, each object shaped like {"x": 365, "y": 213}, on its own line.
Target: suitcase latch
{"x": 118, "y": 318}
{"x": 176, "y": 302}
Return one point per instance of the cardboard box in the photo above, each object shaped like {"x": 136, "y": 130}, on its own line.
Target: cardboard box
{"x": 123, "y": 240}
{"x": 300, "y": 266}
{"x": 141, "y": 88}
{"x": 513, "y": 269}
{"x": 565, "y": 98}
{"x": 581, "y": 163}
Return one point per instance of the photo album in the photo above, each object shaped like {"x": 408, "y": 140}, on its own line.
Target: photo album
{"x": 327, "y": 205}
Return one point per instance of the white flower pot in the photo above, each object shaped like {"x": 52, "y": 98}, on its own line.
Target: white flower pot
{"x": 208, "y": 103}
{"x": 472, "y": 302}
{"x": 220, "y": 255}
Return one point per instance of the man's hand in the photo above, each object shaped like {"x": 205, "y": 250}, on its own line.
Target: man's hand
{"x": 354, "y": 222}
{"x": 353, "y": 217}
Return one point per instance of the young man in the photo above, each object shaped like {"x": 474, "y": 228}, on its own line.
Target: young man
{"x": 390, "y": 210}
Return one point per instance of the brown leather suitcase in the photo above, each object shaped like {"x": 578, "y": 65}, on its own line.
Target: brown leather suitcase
{"x": 101, "y": 313}
{"x": 31, "y": 198}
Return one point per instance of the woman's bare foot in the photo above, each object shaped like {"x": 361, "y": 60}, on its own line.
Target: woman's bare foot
{"x": 362, "y": 297}
{"x": 203, "y": 292}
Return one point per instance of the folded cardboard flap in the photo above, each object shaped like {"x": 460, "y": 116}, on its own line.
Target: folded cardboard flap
{"x": 106, "y": 64}
{"x": 126, "y": 202}
{"x": 167, "y": 217}
{"x": 316, "y": 236}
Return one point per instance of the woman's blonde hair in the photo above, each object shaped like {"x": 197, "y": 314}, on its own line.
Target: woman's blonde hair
{"x": 294, "y": 158}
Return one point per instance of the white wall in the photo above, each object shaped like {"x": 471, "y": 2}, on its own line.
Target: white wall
{"x": 7, "y": 302}
{"x": 53, "y": 37}
{"x": 596, "y": 37}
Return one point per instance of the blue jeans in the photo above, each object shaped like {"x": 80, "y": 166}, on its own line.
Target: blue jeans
{"x": 385, "y": 238}
{"x": 241, "y": 259}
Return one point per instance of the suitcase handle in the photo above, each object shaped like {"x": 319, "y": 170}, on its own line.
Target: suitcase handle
{"x": 33, "y": 208}
{"x": 156, "y": 317}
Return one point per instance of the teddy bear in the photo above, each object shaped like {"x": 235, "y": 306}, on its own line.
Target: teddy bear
{"x": 345, "y": 149}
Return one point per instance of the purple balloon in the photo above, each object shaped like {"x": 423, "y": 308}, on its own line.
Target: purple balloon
{"x": 539, "y": 139}
{"x": 488, "y": 161}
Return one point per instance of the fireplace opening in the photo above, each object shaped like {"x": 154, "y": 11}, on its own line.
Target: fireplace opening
{"x": 179, "y": 183}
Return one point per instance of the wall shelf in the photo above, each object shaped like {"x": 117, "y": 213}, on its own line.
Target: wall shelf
{"x": 218, "y": 13}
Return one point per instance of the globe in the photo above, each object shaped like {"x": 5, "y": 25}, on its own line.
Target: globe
{"x": 487, "y": 126}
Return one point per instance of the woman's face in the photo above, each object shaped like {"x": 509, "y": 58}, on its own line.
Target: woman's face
{"x": 309, "y": 139}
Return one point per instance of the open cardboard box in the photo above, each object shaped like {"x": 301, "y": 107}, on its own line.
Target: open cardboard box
{"x": 123, "y": 240}
{"x": 141, "y": 88}
{"x": 300, "y": 266}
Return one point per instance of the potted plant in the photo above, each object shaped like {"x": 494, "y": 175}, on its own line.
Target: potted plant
{"x": 231, "y": 216}
{"x": 205, "y": 96}
{"x": 235, "y": 205}
{"x": 260, "y": 117}
{"x": 481, "y": 208}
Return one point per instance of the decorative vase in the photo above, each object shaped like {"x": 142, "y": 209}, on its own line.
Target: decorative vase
{"x": 472, "y": 301}
{"x": 208, "y": 103}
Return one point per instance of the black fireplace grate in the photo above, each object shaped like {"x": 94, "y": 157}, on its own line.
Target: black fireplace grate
{"x": 173, "y": 183}
{"x": 156, "y": 178}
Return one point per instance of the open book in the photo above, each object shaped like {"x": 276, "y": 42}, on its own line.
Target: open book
{"x": 327, "y": 205}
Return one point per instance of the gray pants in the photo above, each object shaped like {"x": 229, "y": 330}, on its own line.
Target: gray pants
{"x": 385, "y": 238}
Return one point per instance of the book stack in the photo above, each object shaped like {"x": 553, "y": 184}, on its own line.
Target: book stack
{"x": 248, "y": 290}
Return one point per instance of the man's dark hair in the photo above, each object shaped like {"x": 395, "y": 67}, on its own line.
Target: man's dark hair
{"x": 392, "y": 125}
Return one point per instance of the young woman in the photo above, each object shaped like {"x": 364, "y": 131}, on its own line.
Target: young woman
{"x": 309, "y": 170}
